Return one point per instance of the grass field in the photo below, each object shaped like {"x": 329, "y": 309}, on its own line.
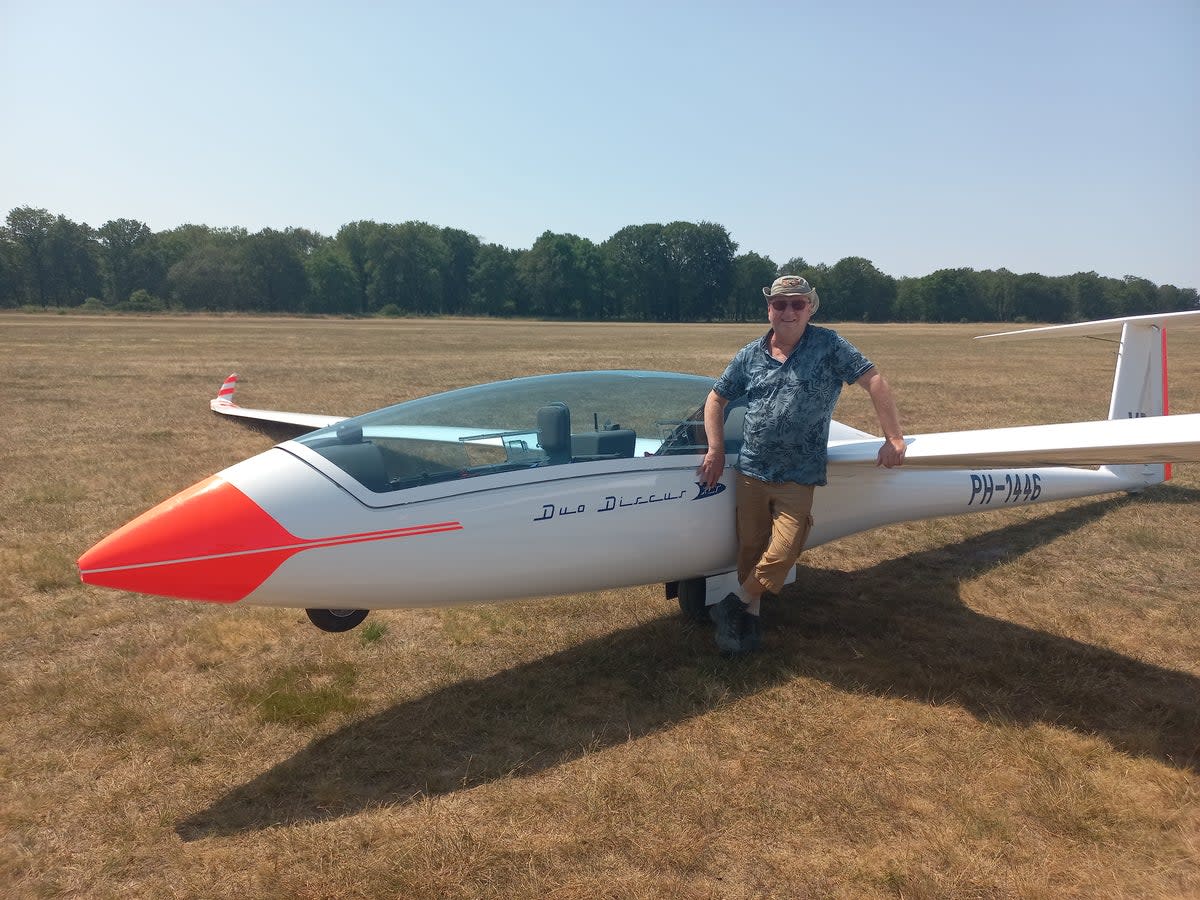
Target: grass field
{"x": 1004, "y": 705}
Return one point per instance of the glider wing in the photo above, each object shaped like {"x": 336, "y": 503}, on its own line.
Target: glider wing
{"x": 223, "y": 404}
{"x": 1103, "y": 326}
{"x": 1157, "y": 439}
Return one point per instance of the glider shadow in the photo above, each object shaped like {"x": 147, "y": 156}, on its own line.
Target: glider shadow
{"x": 898, "y": 629}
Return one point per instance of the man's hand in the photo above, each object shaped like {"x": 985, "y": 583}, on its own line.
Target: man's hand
{"x": 891, "y": 454}
{"x": 709, "y": 471}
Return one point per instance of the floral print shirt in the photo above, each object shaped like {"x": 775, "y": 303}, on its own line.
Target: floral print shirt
{"x": 789, "y": 404}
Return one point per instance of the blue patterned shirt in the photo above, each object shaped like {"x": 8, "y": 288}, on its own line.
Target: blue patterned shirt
{"x": 789, "y": 404}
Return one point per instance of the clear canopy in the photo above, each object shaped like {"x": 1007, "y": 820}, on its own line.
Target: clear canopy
{"x": 525, "y": 422}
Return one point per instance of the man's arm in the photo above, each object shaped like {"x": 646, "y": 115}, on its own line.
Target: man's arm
{"x": 891, "y": 454}
{"x": 714, "y": 430}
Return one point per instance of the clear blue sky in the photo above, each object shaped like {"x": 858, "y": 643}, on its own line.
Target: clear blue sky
{"x": 1047, "y": 136}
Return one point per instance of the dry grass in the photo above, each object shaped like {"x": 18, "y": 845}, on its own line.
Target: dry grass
{"x": 1004, "y": 705}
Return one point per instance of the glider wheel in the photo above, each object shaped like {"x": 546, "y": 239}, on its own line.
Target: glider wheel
{"x": 691, "y": 600}
{"x": 336, "y": 619}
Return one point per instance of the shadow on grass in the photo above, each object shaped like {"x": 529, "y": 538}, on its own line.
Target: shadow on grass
{"x": 898, "y": 629}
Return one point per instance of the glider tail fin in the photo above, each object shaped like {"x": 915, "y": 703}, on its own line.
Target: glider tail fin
{"x": 1140, "y": 380}
{"x": 1140, "y": 389}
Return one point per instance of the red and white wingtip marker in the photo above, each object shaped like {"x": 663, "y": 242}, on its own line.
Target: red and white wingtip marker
{"x": 225, "y": 394}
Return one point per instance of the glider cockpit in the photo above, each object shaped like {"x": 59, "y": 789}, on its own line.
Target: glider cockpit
{"x": 519, "y": 424}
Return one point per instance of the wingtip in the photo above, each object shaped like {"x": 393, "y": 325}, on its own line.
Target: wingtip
{"x": 225, "y": 394}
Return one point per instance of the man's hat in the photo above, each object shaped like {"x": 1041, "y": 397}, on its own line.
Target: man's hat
{"x": 792, "y": 284}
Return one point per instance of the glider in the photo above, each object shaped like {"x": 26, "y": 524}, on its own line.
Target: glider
{"x": 584, "y": 481}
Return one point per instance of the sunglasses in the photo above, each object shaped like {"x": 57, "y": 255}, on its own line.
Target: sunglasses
{"x": 796, "y": 305}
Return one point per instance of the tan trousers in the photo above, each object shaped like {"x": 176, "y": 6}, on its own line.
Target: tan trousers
{"x": 773, "y": 522}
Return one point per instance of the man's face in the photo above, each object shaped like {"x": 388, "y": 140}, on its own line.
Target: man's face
{"x": 789, "y": 312}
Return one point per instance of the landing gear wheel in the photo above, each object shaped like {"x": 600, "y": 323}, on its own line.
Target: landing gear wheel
{"x": 336, "y": 619}
{"x": 691, "y": 600}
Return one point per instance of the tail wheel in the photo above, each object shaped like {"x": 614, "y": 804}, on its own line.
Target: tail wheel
{"x": 336, "y": 619}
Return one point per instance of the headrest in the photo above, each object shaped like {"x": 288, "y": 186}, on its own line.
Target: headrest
{"x": 554, "y": 428}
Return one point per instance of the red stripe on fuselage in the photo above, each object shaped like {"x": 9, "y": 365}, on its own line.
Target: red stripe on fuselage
{"x": 224, "y": 579}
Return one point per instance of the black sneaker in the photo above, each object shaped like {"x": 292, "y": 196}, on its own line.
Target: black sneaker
{"x": 729, "y": 616}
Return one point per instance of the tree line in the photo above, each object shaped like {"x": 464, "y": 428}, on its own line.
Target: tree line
{"x": 678, "y": 272}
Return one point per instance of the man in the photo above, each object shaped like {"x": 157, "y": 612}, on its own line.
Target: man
{"x": 792, "y": 377}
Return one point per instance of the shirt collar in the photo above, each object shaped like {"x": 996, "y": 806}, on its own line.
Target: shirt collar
{"x": 765, "y": 342}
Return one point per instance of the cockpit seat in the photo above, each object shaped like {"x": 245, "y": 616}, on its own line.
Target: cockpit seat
{"x": 612, "y": 443}
{"x": 554, "y": 432}
{"x": 560, "y": 446}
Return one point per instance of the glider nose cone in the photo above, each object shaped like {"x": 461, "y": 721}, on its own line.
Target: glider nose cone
{"x": 209, "y": 542}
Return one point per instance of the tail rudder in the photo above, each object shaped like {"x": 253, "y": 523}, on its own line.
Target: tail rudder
{"x": 1140, "y": 379}
{"x": 1140, "y": 389}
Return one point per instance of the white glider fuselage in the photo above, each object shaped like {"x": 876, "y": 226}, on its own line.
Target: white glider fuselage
{"x": 374, "y": 513}
{"x": 591, "y": 527}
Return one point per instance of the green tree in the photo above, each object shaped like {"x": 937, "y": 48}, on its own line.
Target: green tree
{"x": 13, "y": 289}
{"x": 639, "y": 265}
{"x": 702, "y": 270}
{"x": 30, "y": 229}
{"x": 592, "y": 293}
{"x": 1088, "y": 300}
{"x": 1173, "y": 299}
{"x": 333, "y": 287}
{"x": 561, "y": 275}
{"x": 73, "y": 262}
{"x": 407, "y": 263}
{"x": 955, "y": 295}
{"x": 211, "y": 277}
{"x": 751, "y": 273}
{"x": 353, "y": 239}
{"x": 999, "y": 289}
{"x": 947, "y": 295}
{"x": 1041, "y": 299}
{"x": 173, "y": 244}
{"x": 858, "y": 290}
{"x": 798, "y": 265}
{"x": 910, "y": 300}
{"x": 495, "y": 287}
{"x": 275, "y": 278}
{"x": 681, "y": 271}
{"x": 456, "y": 281}
{"x": 1139, "y": 297}
{"x": 127, "y": 258}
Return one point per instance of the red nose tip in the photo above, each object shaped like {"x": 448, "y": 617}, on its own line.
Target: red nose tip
{"x": 210, "y": 542}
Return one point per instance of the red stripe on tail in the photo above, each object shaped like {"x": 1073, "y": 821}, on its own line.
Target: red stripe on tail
{"x": 1166, "y": 406}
